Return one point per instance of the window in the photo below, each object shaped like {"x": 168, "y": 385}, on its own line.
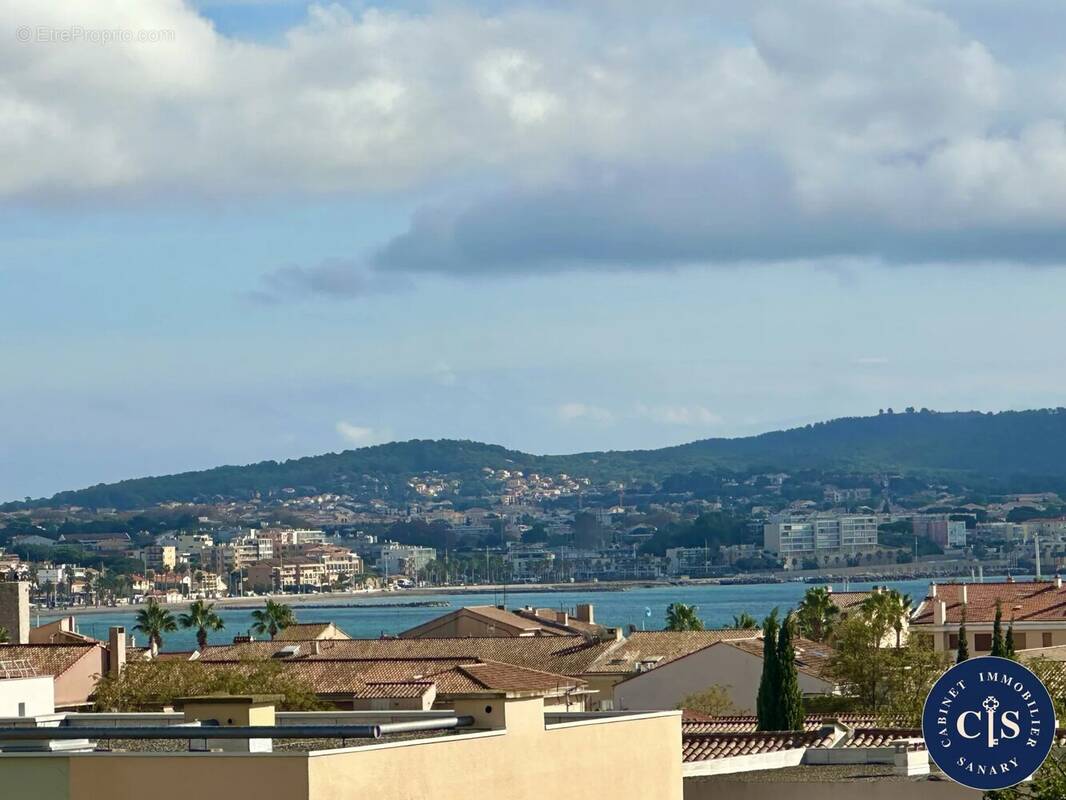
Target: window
{"x": 1045, "y": 640}
{"x": 1019, "y": 641}
{"x": 982, "y": 642}
{"x": 953, "y": 641}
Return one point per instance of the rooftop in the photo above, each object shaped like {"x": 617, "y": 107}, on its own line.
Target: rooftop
{"x": 1022, "y": 601}
{"x": 665, "y": 646}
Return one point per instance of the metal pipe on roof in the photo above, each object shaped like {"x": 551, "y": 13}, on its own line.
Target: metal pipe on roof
{"x": 413, "y": 726}
{"x": 209, "y": 731}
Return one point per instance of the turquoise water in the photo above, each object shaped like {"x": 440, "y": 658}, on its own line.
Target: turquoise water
{"x": 717, "y": 605}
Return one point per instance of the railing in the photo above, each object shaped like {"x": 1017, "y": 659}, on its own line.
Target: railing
{"x": 16, "y": 668}
{"x": 212, "y": 730}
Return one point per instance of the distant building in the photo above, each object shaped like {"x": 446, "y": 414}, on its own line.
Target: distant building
{"x": 800, "y": 537}
{"x": 940, "y": 530}
{"x": 404, "y": 559}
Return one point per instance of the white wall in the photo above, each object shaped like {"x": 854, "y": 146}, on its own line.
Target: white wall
{"x": 664, "y": 687}
{"x": 27, "y": 697}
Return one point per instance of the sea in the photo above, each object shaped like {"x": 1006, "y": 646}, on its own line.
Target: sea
{"x": 384, "y": 614}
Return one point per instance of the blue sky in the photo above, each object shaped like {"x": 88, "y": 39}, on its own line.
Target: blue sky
{"x": 294, "y": 229}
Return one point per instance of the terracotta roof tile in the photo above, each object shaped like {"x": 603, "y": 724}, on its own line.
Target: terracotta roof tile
{"x": 812, "y": 658}
{"x": 1022, "y": 601}
{"x": 563, "y": 655}
{"x": 47, "y": 659}
{"x": 662, "y": 647}
{"x": 708, "y": 746}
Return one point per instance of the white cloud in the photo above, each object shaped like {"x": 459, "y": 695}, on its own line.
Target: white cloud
{"x": 689, "y": 416}
{"x": 573, "y": 412}
{"x": 870, "y": 127}
{"x": 358, "y": 435}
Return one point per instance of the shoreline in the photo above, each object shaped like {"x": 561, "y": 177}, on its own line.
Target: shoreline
{"x": 344, "y": 599}
{"x": 350, "y": 599}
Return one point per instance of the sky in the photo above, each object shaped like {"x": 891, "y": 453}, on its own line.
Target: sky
{"x": 236, "y": 230}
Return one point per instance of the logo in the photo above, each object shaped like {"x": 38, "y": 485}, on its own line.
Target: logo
{"x": 988, "y": 723}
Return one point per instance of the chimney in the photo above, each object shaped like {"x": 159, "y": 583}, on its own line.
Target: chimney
{"x": 585, "y": 613}
{"x": 940, "y": 612}
{"x": 1058, "y": 581}
{"x": 562, "y": 617}
{"x": 965, "y": 596}
{"x": 116, "y": 650}
{"x": 15, "y": 610}
{"x": 932, "y": 590}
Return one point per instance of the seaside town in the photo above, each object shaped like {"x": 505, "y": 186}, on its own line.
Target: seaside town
{"x": 523, "y": 400}
{"x": 527, "y": 529}
{"x": 827, "y": 690}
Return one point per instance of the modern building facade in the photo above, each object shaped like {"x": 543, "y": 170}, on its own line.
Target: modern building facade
{"x": 799, "y": 537}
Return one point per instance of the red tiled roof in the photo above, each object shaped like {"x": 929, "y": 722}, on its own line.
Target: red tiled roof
{"x": 662, "y": 647}
{"x": 880, "y": 737}
{"x": 1021, "y": 601}
{"x": 812, "y": 657}
{"x": 562, "y": 655}
{"x": 708, "y": 746}
{"x": 47, "y": 659}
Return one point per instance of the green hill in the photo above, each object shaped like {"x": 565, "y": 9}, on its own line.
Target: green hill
{"x": 986, "y": 446}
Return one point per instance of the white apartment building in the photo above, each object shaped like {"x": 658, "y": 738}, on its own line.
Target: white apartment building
{"x": 789, "y": 536}
{"x": 402, "y": 559}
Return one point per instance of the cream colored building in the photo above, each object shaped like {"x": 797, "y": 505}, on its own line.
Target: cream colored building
{"x": 514, "y": 751}
{"x": 1037, "y": 610}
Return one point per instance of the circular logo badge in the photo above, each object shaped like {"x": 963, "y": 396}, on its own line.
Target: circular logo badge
{"x": 989, "y": 723}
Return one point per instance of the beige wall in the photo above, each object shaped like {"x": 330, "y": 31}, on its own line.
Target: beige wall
{"x": 719, "y": 788}
{"x": 636, "y": 758}
{"x": 75, "y": 685}
{"x": 1034, "y": 635}
{"x": 622, "y": 758}
{"x": 720, "y": 664}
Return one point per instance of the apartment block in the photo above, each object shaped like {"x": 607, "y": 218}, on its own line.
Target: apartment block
{"x": 789, "y": 536}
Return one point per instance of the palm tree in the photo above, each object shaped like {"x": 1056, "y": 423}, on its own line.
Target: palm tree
{"x": 884, "y": 611}
{"x": 816, "y": 613}
{"x": 682, "y": 617}
{"x": 901, "y": 610}
{"x": 153, "y": 621}
{"x": 744, "y": 622}
{"x": 202, "y": 617}
{"x": 273, "y": 618}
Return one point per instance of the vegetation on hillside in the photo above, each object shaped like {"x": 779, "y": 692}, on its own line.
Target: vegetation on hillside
{"x": 1010, "y": 450}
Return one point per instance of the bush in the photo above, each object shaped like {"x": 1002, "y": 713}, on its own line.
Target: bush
{"x": 713, "y": 701}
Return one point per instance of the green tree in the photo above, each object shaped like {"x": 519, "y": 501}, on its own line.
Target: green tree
{"x": 272, "y": 618}
{"x": 1008, "y": 643}
{"x": 153, "y": 621}
{"x": 790, "y": 698}
{"x": 203, "y": 618}
{"x": 884, "y": 681}
{"x": 5, "y": 637}
{"x": 682, "y": 617}
{"x": 744, "y": 622}
{"x": 152, "y": 685}
{"x": 713, "y": 701}
{"x": 767, "y": 703}
{"x": 881, "y": 612}
{"x": 962, "y": 653}
{"x": 816, "y": 613}
{"x": 998, "y": 648}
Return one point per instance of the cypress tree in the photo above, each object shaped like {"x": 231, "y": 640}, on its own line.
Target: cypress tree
{"x": 791, "y": 701}
{"x": 998, "y": 648}
{"x": 767, "y": 703}
{"x": 1008, "y": 645}
{"x": 963, "y": 652}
